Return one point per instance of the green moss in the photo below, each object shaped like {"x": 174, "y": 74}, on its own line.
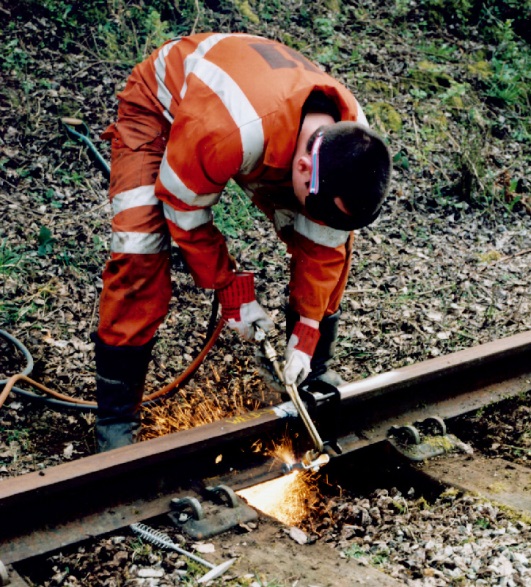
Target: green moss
{"x": 450, "y": 493}
{"x": 378, "y": 87}
{"x": 513, "y": 514}
{"x": 294, "y": 42}
{"x": 456, "y": 102}
{"x": 442, "y": 442}
{"x": 499, "y": 487}
{"x": 490, "y": 256}
{"x": 422, "y": 503}
{"x": 246, "y": 11}
{"x": 385, "y": 117}
{"x": 430, "y": 76}
{"x": 480, "y": 69}
{"x": 333, "y": 5}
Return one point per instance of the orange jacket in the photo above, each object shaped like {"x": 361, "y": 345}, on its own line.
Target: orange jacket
{"x": 234, "y": 102}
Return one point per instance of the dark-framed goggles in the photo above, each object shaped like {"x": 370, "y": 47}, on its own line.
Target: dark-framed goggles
{"x": 322, "y": 206}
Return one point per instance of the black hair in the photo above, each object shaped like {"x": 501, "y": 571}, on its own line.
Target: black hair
{"x": 354, "y": 164}
{"x": 321, "y": 103}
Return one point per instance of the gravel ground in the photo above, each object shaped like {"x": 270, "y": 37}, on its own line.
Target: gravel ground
{"x": 443, "y": 269}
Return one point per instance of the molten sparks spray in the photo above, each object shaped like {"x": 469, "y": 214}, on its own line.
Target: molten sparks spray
{"x": 204, "y": 407}
{"x": 222, "y": 395}
{"x": 289, "y": 498}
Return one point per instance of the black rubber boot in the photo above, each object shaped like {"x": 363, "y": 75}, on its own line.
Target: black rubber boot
{"x": 325, "y": 350}
{"x": 120, "y": 379}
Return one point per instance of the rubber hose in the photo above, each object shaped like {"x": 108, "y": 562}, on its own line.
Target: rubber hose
{"x": 61, "y": 401}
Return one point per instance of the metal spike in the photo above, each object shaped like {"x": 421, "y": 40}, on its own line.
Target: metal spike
{"x": 162, "y": 540}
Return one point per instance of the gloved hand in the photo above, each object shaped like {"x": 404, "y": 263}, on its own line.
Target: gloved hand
{"x": 240, "y": 308}
{"x": 299, "y": 353}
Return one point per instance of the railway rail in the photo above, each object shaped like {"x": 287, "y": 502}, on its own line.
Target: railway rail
{"x": 43, "y": 511}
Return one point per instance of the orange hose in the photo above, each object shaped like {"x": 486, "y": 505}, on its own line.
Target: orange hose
{"x": 19, "y": 377}
{"x": 194, "y": 365}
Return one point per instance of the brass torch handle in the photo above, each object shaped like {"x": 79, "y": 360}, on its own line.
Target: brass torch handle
{"x": 292, "y": 390}
{"x": 271, "y": 356}
{"x": 303, "y": 413}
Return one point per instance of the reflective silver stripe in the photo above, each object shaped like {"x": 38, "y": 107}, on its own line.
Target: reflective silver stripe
{"x": 140, "y": 196}
{"x": 283, "y": 218}
{"x": 362, "y": 119}
{"x": 233, "y": 98}
{"x": 174, "y": 184}
{"x": 317, "y": 233}
{"x": 163, "y": 94}
{"x": 188, "y": 220}
{"x": 139, "y": 243}
{"x": 203, "y": 48}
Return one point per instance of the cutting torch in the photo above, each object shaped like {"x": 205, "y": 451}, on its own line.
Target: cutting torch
{"x": 315, "y": 458}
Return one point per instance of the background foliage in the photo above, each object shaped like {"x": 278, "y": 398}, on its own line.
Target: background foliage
{"x": 447, "y": 83}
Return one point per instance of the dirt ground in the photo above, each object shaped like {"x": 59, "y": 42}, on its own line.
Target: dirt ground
{"x": 445, "y": 267}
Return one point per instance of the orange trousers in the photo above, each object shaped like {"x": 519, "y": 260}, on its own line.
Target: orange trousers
{"x": 136, "y": 280}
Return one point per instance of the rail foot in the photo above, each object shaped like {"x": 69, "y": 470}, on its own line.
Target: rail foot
{"x": 424, "y": 440}
{"x": 225, "y": 511}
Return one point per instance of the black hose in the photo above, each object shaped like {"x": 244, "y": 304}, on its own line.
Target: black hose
{"x": 27, "y": 355}
{"x": 49, "y": 401}
{"x": 60, "y": 404}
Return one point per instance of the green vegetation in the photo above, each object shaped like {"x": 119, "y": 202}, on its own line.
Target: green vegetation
{"x": 446, "y": 82}
{"x": 234, "y": 215}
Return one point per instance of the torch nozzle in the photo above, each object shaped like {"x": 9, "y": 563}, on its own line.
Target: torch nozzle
{"x": 309, "y": 462}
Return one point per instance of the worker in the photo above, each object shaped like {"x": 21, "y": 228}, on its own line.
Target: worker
{"x": 199, "y": 111}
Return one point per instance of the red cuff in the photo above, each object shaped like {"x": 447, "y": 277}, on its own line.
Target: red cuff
{"x": 240, "y": 291}
{"x": 308, "y": 338}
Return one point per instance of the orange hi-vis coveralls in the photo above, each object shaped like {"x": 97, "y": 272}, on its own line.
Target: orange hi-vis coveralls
{"x": 199, "y": 111}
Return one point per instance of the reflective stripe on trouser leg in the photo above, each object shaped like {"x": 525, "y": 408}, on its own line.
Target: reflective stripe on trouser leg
{"x": 136, "y": 280}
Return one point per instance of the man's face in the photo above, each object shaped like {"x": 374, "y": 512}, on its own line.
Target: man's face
{"x": 301, "y": 176}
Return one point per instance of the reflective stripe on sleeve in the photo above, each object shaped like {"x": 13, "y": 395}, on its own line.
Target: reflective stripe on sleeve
{"x": 174, "y": 184}
{"x": 188, "y": 220}
{"x": 140, "y": 196}
{"x": 320, "y": 234}
{"x": 139, "y": 243}
{"x": 163, "y": 94}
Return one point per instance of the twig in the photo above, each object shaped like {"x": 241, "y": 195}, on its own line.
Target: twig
{"x": 198, "y": 10}
{"x": 435, "y": 289}
{"x": 416, "y": 132}
{"x": 420, "y": 293}
{"x": 465, "y": 156}
{"x": 359, "y": 291}
{"x": 519, "y": 254}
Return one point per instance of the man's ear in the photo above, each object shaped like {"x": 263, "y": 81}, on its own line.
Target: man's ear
{"x": 303, "y": 165}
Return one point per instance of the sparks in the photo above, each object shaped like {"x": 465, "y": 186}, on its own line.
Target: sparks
{"x": 284, "y": 499}
{"x": 188, "y": 412}
{"x": 288, "y": 498}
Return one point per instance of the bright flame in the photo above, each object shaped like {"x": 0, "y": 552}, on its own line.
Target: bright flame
{"x": 285, "y": 498}
{"x": 289, "y": 498}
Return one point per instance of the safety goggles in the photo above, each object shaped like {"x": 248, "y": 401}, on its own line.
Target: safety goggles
{"x": 322, "y": 206}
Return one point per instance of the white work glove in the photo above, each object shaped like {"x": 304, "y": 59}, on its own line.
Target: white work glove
{"x": 240, "y": 309}
{"x": 299, "y": 353}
